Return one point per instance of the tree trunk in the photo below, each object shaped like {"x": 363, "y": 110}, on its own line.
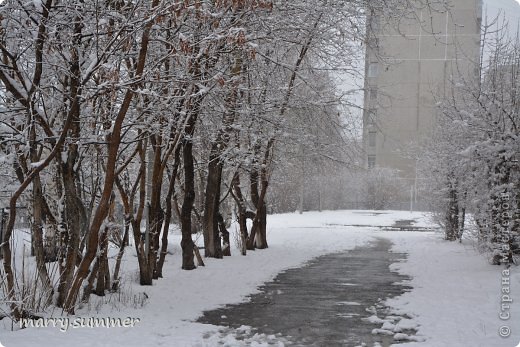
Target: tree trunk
{"x": 168, "y": 213}
{"x": 73, "y": 210}
{"x": 226, "y": 250}
{"x": 261, "y": 235}
{"x": 196, "y": 251}
{"x": 187, "y": 244}
{"x": 242, "y": 212}
{"x": 135, "y": 218}
{"x": 101, "y": 282}
{"x": 258, "y": 236}
{"x": 116, "y": 281}
{"x": 87, "y": 290}
{"x": 462, "y": 217}
{"x": 37, "y": 236}
{"x": 452, "y": 214}
{"x": 187, "y": 206}
{"x": 155, "y": 212}
{"x": 212, "y": 241}
{"x": 75, "y": 220}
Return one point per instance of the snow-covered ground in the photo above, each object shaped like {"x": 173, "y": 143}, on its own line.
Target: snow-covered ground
{"x": 456, "y": 300}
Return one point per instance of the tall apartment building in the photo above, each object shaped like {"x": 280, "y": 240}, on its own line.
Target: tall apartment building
{"x": 411, "y": 67}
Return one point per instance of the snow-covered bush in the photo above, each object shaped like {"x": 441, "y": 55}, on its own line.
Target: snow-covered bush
{"x": 473, "y": 162}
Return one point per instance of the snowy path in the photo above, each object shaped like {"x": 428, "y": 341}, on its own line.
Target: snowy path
{"x": 455, "y": 301}
{"x": 331, "y": 301}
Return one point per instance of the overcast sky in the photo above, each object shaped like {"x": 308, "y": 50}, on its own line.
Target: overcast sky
{"x": 510, "y": 9}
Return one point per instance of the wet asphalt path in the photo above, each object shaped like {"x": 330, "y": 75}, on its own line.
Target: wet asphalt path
{"x": 322, "y": 303}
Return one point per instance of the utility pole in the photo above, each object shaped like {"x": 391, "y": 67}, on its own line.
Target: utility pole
{"x": 415, "y": 185}
{"x": 1, "y": 230}
{"x": 411, "y": 199}
{"x": 302, "y": 179}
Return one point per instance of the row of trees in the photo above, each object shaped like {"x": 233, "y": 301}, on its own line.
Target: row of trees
{"x": 473, "y": 163}
{"x": 169, "y": 110}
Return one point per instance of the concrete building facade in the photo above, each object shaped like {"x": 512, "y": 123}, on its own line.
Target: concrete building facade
{"x": 408, "y": 66}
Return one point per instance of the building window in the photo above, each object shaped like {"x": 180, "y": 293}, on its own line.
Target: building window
{"x": 373, "y": 94}
{"x": 373, "y": 69}
{"x": 372, "y": 135}
{"x": 371, "y": 161}
{"x": 373, "y": 42}
{"x": 372, "y": 117}
{"x": 375, "y": 22}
